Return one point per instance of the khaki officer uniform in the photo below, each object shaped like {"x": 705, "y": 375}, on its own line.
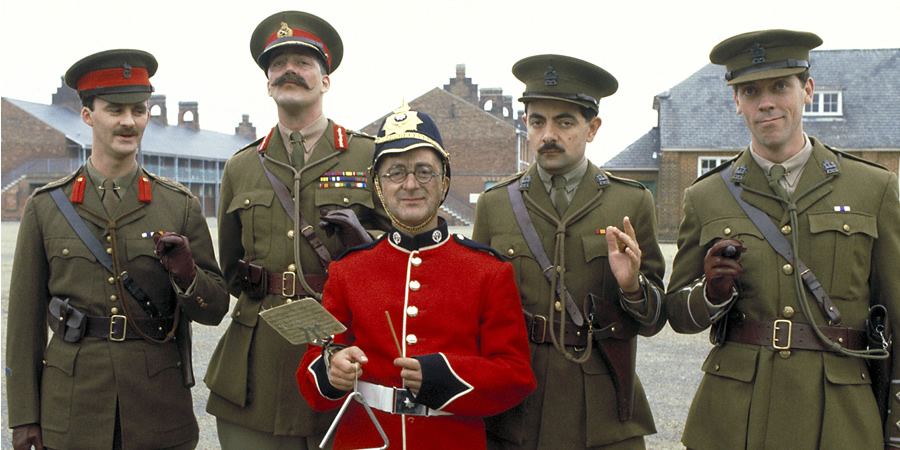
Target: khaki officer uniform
{"x": 74, "y": 389}
{"x": 575, "y": 404}
{"x": 251, "y": 375}
{"x": 779, "y": 391}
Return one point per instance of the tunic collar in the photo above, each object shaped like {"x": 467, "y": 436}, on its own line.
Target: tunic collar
{"x": 423, "y": 240}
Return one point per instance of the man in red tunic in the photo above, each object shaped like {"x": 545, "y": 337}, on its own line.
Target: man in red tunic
{"x": 462, "y": 352}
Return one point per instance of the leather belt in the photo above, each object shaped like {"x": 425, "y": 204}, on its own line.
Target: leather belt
{"x": 394, "y": 400}
{"x": 782, "y": 334}
{"x": 539, "y": 332}
{"x": 286, "y": 284}
{"x": 119, "y": 328}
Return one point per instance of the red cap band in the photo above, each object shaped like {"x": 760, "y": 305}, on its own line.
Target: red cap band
{"x": 302, "y": 36}
{"x": 113, "y": 77}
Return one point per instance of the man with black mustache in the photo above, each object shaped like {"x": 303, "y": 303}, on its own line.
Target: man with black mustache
{"x": 290, "y": 202}
{"x": 587, "y": 286}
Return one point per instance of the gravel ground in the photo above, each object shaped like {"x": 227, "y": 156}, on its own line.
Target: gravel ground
{"x": 668, "y": 364}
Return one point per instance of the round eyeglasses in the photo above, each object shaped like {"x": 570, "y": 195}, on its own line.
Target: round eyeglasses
{"x": 423, "y": 174}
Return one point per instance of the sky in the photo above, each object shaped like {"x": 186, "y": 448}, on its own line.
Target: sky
{"x": 395, "y": 50}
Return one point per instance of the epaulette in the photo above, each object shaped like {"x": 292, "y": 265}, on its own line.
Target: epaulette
{"x": 60, "y": 182}
{"x": 360, "y": 134}
{"x": 855, "y": 158}
{"x": 717, "y": 169}
{"x": 506, "y": 181}
{"x": 169, "y": 183}
{"x": 252, "y": 145}
{"x": 361, "y": 247}
{"x": 466, "y": 242}
{"x": 624, "y": 180}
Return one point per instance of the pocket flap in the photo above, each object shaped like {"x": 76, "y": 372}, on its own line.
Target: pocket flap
{"x": 848, "y": 222}
{"x": 732, "y": 361}
{"x": 246, "y": 200}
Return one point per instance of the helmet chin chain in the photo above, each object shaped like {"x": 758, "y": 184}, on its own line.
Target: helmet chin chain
{"x": 410, "y": 230}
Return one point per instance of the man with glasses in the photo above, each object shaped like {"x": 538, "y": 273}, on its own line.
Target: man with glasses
{"x": 459, "y": 352}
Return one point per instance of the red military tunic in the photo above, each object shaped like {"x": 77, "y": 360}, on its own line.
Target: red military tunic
{"x": 456, "y": 309}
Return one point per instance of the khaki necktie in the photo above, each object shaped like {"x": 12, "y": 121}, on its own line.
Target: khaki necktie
{"x": 110, "y": 199}
{"x": 298, "y": 153}
{"x": 560, "y": 201}
{"x": 776, "y": 173}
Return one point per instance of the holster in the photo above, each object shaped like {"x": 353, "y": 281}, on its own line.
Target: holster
{"x": 878, "y": 333}
{"x": 253, "y": 279}
{"x": 614, "y": 333}
{"x": 183, "y": 341}
{"x": 65, "y": 321}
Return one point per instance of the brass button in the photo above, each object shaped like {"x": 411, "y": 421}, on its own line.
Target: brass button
{"x": 415, "y": 261}
{"x": 114, "y": 310}
{"x": 108, "y": 238}
{"x": 109, "y": 250}
{"x": 510, "y": 252}
{"x": 287, "y": 300}
{"x": 788, "y": 312}
{"x": 65, "y": 252}
{"x": 44, "y": 362}
{"x": 346, "y": 201}
{"x": 290, "y": 234}
{"x": 784, "y": 354}
{"x": 727, "y": 231}
{"x": 412, "y": 311}
{"x": 786, "y": 229}
{"x": 411, "y": 339}
{"x": 237, "y": 314}
{"x": 292, "y": 268}
{"x": 846, "y": 227}
{"x": 863, "y": 375}
{"x": 717, "y": 367}
{"x": 787, "y": 269}
{"x": 247, "y": 202}
{"x": 113, "y": 298}
{"x": 414, "y": 285}
{"x": 111, "y": 280}
{"x": 558, "y": 306}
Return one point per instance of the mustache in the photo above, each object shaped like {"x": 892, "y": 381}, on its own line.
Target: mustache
{"x": 291, "y": 78}
{"x": 550, "y": 146}
{"x": 127, "y": 131}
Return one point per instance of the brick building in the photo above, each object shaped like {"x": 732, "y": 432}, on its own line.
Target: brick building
{"x": 485, "y": 141}
{"x": 854, "y": 109}
{"x": 42, "y": 143}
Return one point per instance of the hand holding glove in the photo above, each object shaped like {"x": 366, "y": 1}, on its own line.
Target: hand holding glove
{"x": 346, "y": 225}
{"x": 721, "y": 266}
{"x": 174, "y": 251}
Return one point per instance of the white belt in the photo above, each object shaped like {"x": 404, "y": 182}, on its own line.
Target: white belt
{"x": 394, "y": 400}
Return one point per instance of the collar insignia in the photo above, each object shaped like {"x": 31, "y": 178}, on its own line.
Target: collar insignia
{"x": 602, "y": 179}
{"x": 757, "y": 54}
{"x": 524, "y": 182}
{"x": 550, "y": 76}
{"x": 739, "y": 172}
{"x": 830, "y": 168}
{"x": 285, "y": 31}
{"x": 396, "y": 237}
{"x": 437, "y": 236}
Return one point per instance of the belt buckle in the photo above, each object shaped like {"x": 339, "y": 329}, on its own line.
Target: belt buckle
{"x": 534, "y": 322}
{"x": 775, "y": 330}
{"x": 293, "y": 283}
{"x": 116, "y": 322}
{"x": 404, "y": 404}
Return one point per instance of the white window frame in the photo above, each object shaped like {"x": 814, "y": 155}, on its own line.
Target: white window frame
{"x": 716, "y": 160}
{"x": 818, "y": 104}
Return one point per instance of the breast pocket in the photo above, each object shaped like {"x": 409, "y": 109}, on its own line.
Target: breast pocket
{"x": 845, "y": 240}
{"x": 759, "y": 252}
{"x": 255, "y": 211}
{"x": 532, "y": 284}
{"x": 349, "y": 197}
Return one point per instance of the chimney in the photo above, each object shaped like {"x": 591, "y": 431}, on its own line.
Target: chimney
{"x": 188, "y": 116}
{"x": 501, "y": 105}
{"x": 462, "y": 87}
{"x": 66, "y": 96}
{"x": 158, "y": 115}
{"x": 245, "y": 128}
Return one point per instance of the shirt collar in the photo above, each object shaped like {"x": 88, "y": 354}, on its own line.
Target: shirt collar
{"x": 123, "y": 181}
{"x": 793, "y": 166}
{"x": 311, "y": 134}
{"x": 573, "y": 178}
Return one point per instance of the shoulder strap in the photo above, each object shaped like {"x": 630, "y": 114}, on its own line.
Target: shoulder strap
{"x": 288, "y": 204}
{"x": 783, "y": 247}
{"x": 537, "y": 249}
{"x": 93, "y": 244}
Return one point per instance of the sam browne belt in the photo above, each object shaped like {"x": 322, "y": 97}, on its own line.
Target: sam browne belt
{"x": 783, "y": 334}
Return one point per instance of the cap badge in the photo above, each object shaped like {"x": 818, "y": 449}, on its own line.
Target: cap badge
{"x": 127, "y": 73}
{"x": 550, "y": 76}
{"x": 403, "y": 120}
{"x": 285, "y": 31}
{"x": 757, "y": 54}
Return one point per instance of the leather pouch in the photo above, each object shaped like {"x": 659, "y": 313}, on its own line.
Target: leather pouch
{"x": 253, "y": 279}
{"x": 65, "y": 321}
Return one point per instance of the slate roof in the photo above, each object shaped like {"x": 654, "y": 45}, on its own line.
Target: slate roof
{"x": 699, "y": 112}
{"x": 157, "y": 140}
{"x": 642, "y": 154}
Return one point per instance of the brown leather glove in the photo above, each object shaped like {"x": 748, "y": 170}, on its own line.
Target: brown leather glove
{"x": 25, "y": 436}
{"x": 174, "y": 251}
{"x": 721, "y": 266}
{"x": 346, "y": 225}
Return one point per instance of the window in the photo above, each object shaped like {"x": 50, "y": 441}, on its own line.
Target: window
{"x": 705, "y": 164}
{"x": 825, "y": 103}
